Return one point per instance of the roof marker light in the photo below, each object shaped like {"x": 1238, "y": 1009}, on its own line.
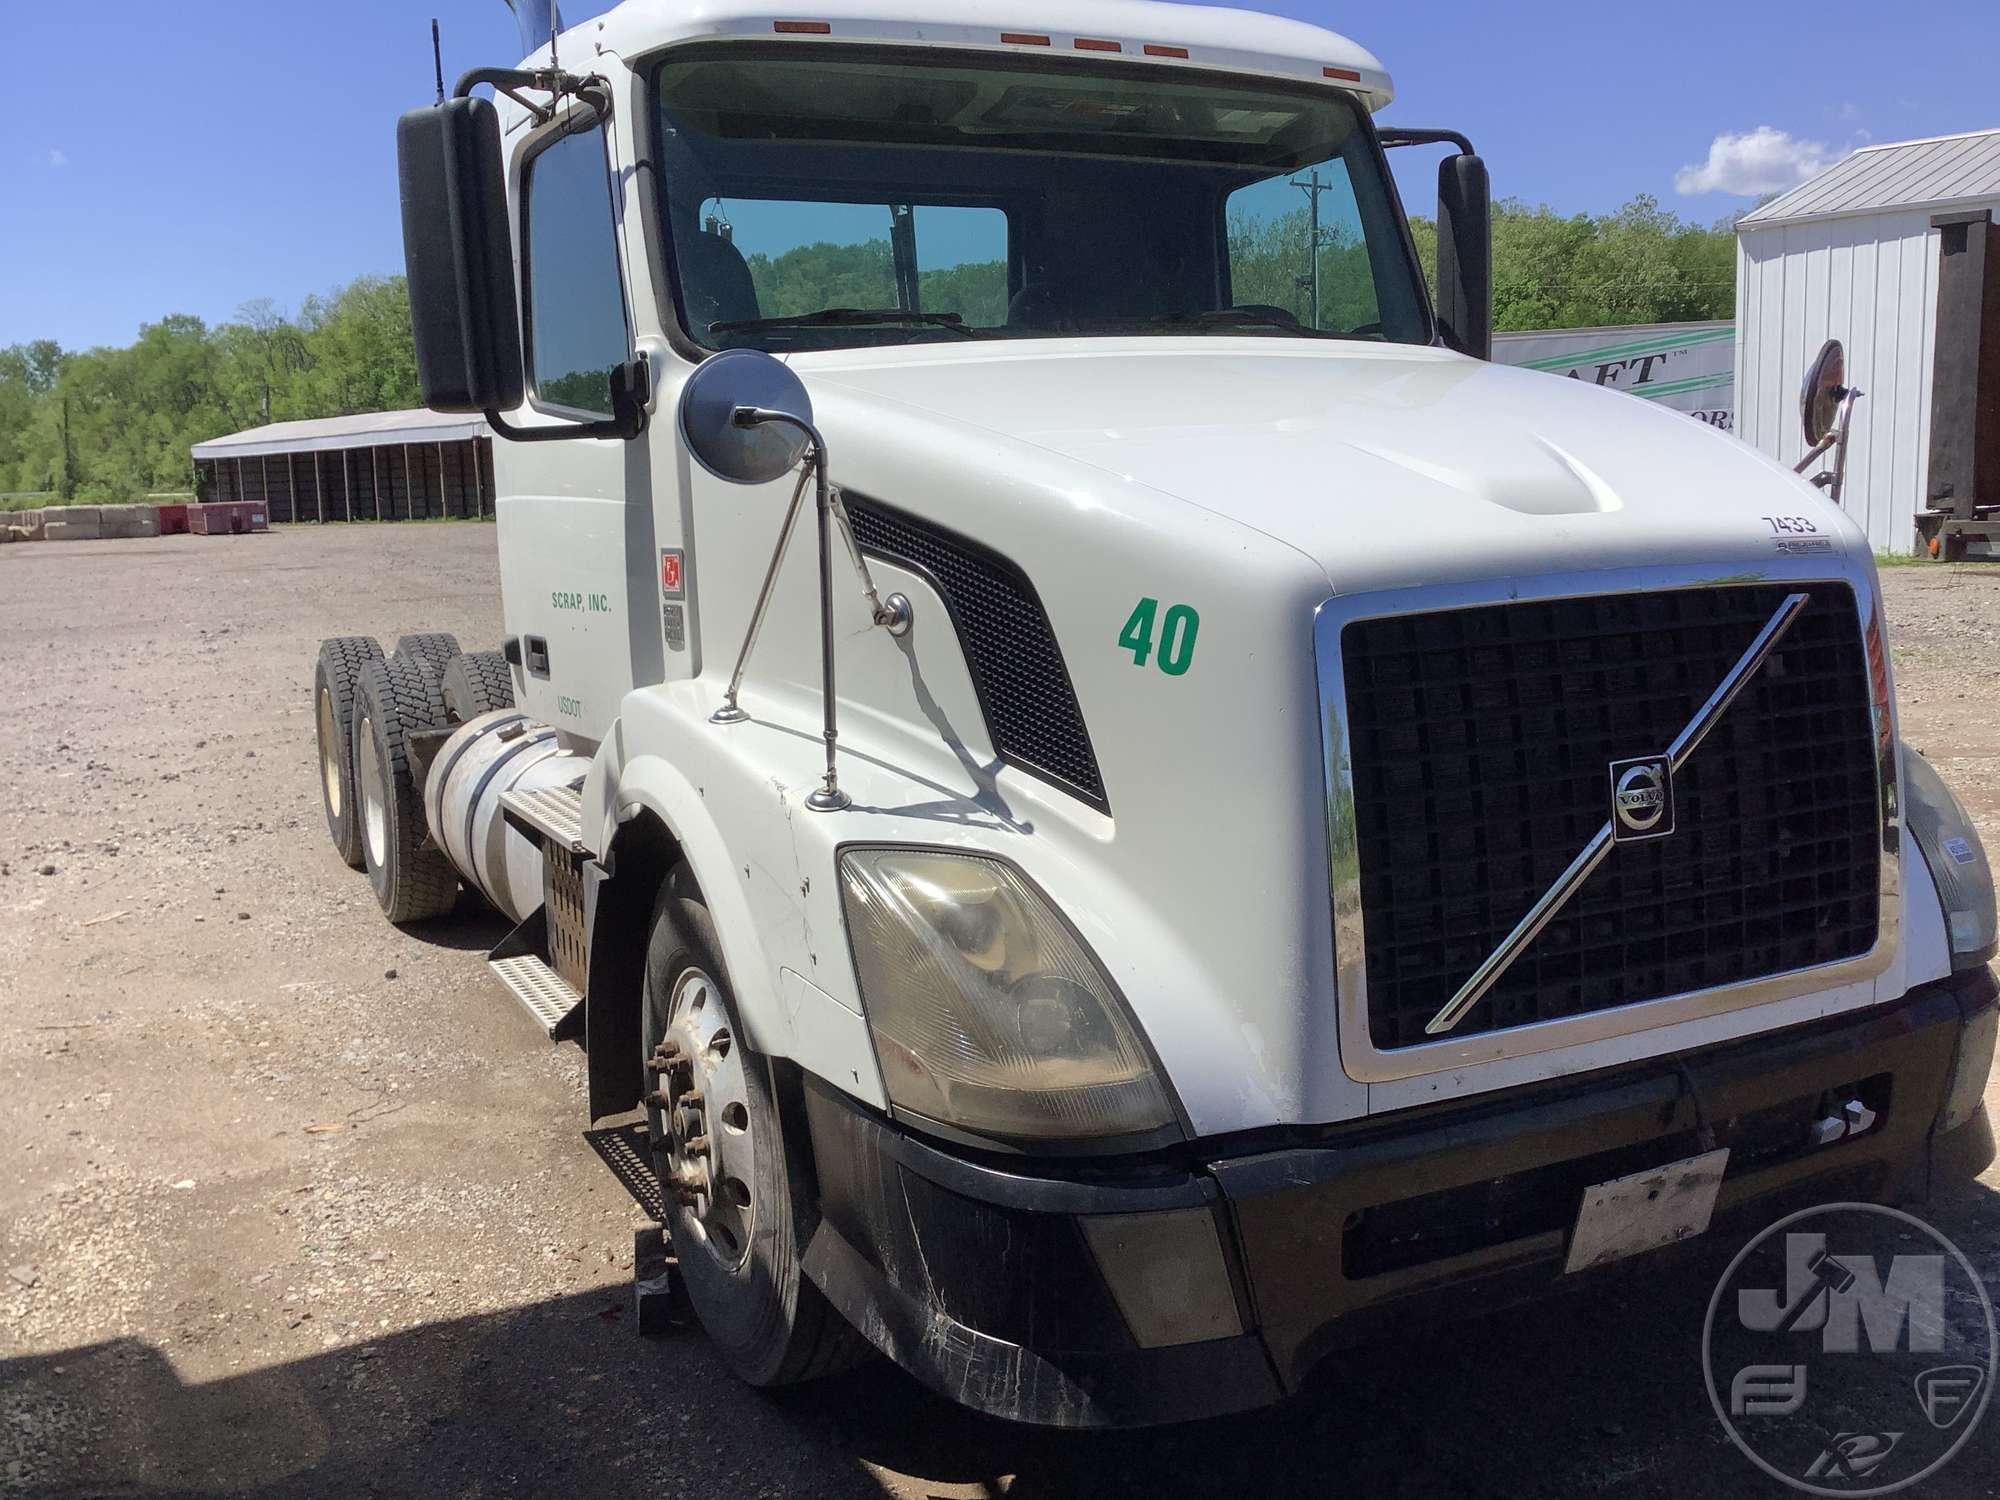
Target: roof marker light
{"x": 1154, "y": 49}
{"x": 1023, "y": 39}
{"x": 1345, "y": 75}
{"x": 1097, "y": 44}
{"x": 802, "y": 28}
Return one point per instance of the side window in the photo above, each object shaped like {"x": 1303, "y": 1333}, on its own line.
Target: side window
{"x": 576, "y": 306}
{"x": 1273, "y": 261}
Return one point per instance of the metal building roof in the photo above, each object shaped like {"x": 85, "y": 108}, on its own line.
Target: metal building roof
{"x": 368, "y": 430}
{"x": 1939, "y": 173}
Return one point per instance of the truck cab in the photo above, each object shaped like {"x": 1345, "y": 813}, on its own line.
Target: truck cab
{"x": 1250, "y": 809}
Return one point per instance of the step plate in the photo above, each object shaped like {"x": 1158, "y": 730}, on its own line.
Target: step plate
{"x": 556, "y": 812}
{"x": 541, "y": 991}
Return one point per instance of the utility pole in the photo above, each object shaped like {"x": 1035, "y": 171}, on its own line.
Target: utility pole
{"x": 67, "y": 488}
{"x": 1309, "y": 282}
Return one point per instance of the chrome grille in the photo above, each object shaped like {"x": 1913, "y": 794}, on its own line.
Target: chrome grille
{"x": 1479, "y": 741}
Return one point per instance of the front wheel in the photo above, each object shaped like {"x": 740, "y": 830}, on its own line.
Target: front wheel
{"x": 734, "y": 1189}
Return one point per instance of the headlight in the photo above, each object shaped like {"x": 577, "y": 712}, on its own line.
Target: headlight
{"x": 1956, "y": 858}
{"x": 988, "y": 1014}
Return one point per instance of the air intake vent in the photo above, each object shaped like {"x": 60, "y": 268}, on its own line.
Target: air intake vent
{"x": 1017, "y": 667}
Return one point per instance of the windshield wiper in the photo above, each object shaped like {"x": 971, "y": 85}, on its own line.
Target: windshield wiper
{"x": 851, "y": 317}
{"x": 1243, "y": 317}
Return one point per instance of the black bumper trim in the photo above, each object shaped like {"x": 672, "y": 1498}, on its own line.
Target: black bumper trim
{"x": 977, "y": 1278}
{"x": 1073, "y": 1388}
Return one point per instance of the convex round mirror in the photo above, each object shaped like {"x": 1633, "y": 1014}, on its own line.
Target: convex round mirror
{"x": 1821, "y": 395}
{"x": 731, "y": 381}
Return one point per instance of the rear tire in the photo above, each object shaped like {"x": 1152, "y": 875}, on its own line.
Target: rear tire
{"x": 740, "y": 1241}
{"x": 434, "y": 648}
{"x": 335, "y": 679}
{"x": 475, "y": 683}
{"x": 412, "y": 878}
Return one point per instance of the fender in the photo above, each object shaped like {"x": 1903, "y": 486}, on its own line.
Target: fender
{"x": 647, "y": 812}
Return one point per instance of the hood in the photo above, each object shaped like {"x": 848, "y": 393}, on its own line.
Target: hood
{"x": 1388, "y": 465}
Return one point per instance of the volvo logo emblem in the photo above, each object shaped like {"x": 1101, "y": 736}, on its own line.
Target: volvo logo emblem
{"x": 1642, "y": 798}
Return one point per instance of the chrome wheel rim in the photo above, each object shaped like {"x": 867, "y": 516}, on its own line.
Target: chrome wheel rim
{"x": 329, "y": 753}
{"x": 704, "y": 1104}
{"x": 374, "y": 801}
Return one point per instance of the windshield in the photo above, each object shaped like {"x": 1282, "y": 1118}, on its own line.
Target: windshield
{"x": 890, "y": 197}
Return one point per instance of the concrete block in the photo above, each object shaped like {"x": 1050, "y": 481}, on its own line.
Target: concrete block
{"x": 128, "y": 520}
{"x": 29, "y": 521}
{"x": 77, "y": 523}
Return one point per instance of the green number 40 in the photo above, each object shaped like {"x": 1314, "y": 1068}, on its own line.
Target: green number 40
{"x": 1177, "y": 633}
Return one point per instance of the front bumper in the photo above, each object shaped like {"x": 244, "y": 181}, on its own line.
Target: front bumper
{"x": 998, "y": 1284}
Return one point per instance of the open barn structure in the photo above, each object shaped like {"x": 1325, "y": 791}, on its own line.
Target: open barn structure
{"x": 379, "y": 466}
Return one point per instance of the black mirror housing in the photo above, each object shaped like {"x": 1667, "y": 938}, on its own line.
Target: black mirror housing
{"x": 458, "y": 253}
{"x": 1465, "y": 255}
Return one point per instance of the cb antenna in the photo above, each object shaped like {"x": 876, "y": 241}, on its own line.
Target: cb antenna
{"x": 437, "y": 58}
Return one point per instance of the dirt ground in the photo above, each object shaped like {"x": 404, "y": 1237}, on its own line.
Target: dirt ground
{"x": 292, "y": 1202}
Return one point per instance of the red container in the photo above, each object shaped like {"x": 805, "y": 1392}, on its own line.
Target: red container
{"x": 173, "y": 519}
{"x": 228, "y": 518}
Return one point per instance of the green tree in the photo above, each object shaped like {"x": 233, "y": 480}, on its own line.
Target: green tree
{"x": 115, "y": 423}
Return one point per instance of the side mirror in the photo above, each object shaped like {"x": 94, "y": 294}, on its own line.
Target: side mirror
{"x": 1822, "y": 391}
{"x": 458, "y": 252}
{"x": 1465, "y": 255}
{"x": 745, "y": 416}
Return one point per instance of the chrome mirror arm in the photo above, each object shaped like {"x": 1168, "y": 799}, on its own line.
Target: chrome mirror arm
{"x": 1837, "y": 441}
{"x": 893, "y": 613}
{"x": 828, "y": 797}
{"x": 731, "y": 711}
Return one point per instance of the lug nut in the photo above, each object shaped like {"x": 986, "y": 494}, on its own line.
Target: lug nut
{"x": 689, "y": 1099}
{"x": 659, "y": 1100}
{"x": 696, "y": 1146}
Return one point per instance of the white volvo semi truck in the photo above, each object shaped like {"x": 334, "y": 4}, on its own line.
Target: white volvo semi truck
{"x": 1131, "y": 809}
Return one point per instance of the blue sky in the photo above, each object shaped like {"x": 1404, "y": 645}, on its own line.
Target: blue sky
{"x": 190, "y": 157}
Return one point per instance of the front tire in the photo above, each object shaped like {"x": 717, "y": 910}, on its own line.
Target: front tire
{"x": 737, "y": 1192}
{"x": 336, "y": 676}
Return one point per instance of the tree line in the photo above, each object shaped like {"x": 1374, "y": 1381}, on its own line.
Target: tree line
{"x": 112, "y": 424}
{"x": 115, "y": 424}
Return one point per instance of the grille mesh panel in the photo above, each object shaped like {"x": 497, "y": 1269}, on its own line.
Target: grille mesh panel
{"x": 1017, "y": 667}
{"x": 1480, "y": 743}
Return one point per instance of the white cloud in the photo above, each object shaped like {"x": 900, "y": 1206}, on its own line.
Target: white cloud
{"x": 1764, "y": 160}
{"x": 56, "y": 157}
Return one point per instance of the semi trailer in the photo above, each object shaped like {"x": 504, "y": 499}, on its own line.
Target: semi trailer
{"x": 1131, "y": 808}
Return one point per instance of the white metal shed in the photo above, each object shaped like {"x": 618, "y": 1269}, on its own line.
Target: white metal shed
{"x": 1852, "y": 254}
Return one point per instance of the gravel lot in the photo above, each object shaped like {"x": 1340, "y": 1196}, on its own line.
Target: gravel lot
{"x": 293, "y": 1202}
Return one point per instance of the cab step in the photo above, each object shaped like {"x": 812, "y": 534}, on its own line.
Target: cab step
{"x": 543, "y": 993}
{"x": 552, "y": 813}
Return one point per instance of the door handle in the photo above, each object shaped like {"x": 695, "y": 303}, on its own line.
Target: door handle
{"x": 536, "y": 655}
